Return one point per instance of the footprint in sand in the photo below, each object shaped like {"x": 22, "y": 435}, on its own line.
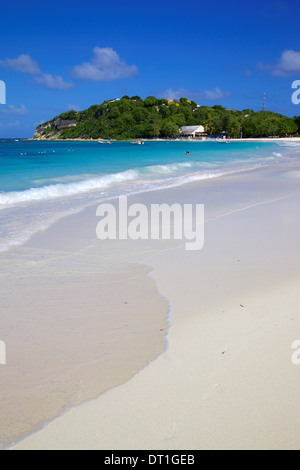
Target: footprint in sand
{"x": 219, "y": 388}
{"x": 173, "y": 432}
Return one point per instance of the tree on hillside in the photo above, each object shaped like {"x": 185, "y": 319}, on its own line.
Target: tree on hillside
{"x": 169, "y": 129}
{"x": 134, "y": 117}
{"x": 297, "y": 122}
{"x": 150, "y": 102}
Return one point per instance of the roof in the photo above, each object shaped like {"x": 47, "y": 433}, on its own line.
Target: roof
{"x": 188, "y": 130}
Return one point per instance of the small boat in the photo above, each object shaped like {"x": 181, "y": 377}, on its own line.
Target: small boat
{"x": 138, "y": 142}
{"x": 104, "y": 142}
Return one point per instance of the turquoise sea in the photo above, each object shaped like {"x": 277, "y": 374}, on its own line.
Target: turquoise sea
{"x": 41, "y": 182}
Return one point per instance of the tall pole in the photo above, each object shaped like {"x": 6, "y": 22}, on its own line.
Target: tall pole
{"x": 264, "y": 102}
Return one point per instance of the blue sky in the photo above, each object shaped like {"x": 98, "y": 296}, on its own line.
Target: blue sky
{"x": 70, "y": 54}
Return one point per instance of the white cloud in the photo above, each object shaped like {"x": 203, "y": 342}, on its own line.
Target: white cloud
{"x": 24, "y": 63}
{"x": 210, "y": 95}
{"x": 14, "y": 111}
{"x": 216, "y": 94}
{"x": 73, "y": 107}
{"x": 106, "y": 65}
{"x": 288, "y": 64}
{"x": 53, "y": 82}
{"x": 10, "y": 124}
{"x": 174, "y": 94}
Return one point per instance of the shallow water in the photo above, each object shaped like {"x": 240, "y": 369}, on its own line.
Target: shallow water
{"x": 40, "y": 182}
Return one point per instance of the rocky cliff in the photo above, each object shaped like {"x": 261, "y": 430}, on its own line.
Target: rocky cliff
{"x": 53, "y": 129}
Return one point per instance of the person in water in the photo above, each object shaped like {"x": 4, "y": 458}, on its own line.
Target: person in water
{"x": 187, "y": 153}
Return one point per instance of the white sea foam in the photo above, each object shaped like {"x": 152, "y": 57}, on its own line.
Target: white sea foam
{"x": 24, "y": 234}
{"x": 171, "y": 168}
{"x": 38, "y": 208}
{"x": 71, "y": 185}
{"x": 289, "y": 144}
{"x": 156, "y": 175}
{"x": 30, "y": 221}
{"x": 64, "y": 179}
{"x": 61, "y": 190}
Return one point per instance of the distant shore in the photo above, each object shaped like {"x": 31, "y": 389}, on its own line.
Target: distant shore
{"x": 254, "y": 139}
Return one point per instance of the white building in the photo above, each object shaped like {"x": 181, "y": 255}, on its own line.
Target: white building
{"x": 193, "y": 132}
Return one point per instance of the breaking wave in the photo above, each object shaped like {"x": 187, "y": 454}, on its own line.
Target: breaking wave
{"x": 68, "y": 186}
{"x": 157, "y": 175}
{"x": 61, "y": 190}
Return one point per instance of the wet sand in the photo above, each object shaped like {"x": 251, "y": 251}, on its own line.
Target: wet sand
{"x": 71, "y": 332}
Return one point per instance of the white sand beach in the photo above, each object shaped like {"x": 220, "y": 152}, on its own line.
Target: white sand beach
{"x": 226, "y": 379}
{"x": 149, "y": 228}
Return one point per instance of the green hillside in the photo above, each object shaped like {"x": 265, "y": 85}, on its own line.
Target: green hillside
{"x": 133, "y": 118}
